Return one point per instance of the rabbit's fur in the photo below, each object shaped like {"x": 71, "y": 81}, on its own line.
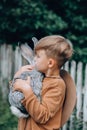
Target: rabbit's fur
{"x": 36, "y": 83}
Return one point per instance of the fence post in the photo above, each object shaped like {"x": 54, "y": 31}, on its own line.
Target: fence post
{"x": 85, "y": 102}
{"x": 79, "y": 90}
{"x": 18, "y": 59}
{"x": 5, "y": 72}
{"x": 73, "y": 75}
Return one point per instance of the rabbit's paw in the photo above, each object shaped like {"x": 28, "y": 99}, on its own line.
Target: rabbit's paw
{"x": 15, "y": 111}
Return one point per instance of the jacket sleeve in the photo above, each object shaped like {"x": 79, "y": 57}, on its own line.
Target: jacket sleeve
{"x": 52, "y": 101}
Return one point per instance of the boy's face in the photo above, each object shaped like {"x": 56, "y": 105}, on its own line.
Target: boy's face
{"x": 41, "y": 61}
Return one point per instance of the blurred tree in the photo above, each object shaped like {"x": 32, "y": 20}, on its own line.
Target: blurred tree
{"x": 74, "y": 13}
{"x": 20, "y": 20}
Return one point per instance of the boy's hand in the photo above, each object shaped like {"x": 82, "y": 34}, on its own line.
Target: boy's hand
{"x": 22, "y": 85}
{"x": 23, "y": 69}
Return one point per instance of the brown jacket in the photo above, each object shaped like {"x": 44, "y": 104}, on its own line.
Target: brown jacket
{"x": 47, "y": 114}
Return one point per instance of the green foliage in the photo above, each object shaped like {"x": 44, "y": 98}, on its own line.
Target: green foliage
{"x": 20, "y": 20}
{"x": 77, "y": 123}
{"x": 74, "y": 14}
{"x": 7, "y": 120}
{"x": 23, "y": 19}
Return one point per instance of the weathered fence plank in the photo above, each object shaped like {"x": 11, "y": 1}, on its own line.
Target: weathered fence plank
{"x": 73, "y": 70}
{"x": 79, "y": 90}
{"x": 85, "y": 102}
{"x": 18, "y": 59}
{"x": 85, "y": 97}
{"x": 5, "y": 68}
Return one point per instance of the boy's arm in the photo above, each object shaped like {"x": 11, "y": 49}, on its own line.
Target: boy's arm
{"x": 52, "y": 100}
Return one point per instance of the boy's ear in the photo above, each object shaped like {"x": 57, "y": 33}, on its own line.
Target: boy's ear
{"x": 51, "y": 62}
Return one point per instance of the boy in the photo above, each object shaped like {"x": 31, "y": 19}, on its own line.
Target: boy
{"x": 51, "y": 53}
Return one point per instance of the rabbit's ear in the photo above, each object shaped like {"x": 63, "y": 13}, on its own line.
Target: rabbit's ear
{"x": 35, "y": 41}
{"x": 27, "y": 53}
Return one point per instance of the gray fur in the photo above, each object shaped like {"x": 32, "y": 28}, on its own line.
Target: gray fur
{"x": 36, "y": 84}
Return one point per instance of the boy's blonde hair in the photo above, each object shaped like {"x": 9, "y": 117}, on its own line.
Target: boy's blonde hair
{"x": 56, "y": 47}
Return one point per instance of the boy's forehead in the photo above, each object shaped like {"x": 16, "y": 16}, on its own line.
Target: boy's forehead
{"x": 40, "y": 51}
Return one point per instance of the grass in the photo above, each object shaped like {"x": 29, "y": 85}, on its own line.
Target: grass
{"x": 7, "y": 120}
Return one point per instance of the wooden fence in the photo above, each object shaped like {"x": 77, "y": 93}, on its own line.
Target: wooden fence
{"x": 11, "y": 61}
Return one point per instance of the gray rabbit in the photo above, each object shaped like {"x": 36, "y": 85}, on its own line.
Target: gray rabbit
{"x": 36, "y": 83}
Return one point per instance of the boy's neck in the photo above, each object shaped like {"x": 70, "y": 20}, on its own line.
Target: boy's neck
{"x": 52, "y": 73}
